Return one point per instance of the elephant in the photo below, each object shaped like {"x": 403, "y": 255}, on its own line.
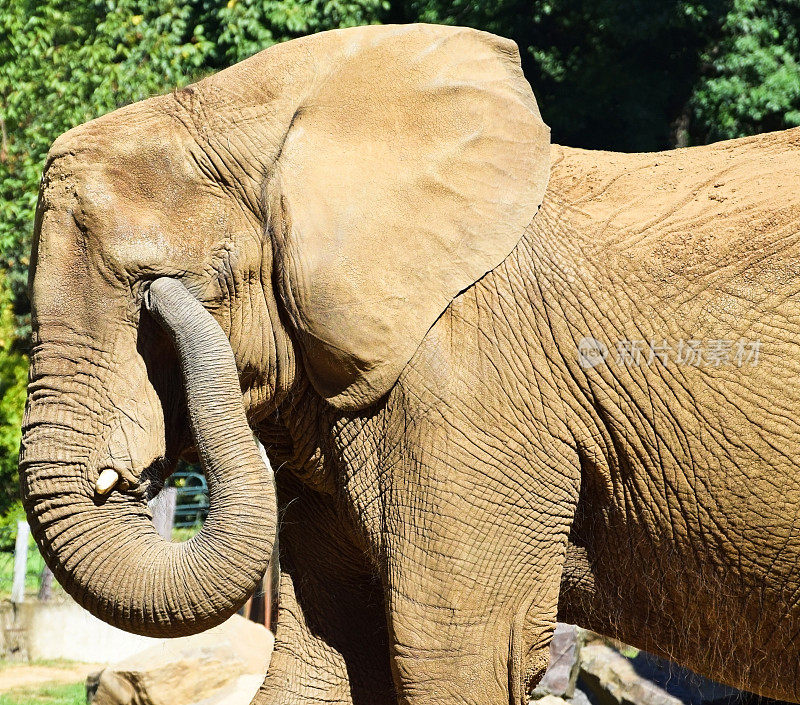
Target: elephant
{"x": 501, "y": 381}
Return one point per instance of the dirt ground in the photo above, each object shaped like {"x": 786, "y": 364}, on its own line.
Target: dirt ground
{"x": 19, "y": 675}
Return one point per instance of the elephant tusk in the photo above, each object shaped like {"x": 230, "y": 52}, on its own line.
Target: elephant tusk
{"x": 105, "y": 483}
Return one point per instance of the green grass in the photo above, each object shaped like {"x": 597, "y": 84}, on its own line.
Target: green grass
{"x": 185, "y": 533}
{"x": 52, "y": 662}
{"x": 46, "y": 694}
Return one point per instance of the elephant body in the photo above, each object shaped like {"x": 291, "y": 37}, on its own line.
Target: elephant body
{"x": 471, "y": 357}
{"x": 680, "y": 533}
{"x": 690, "y": 525}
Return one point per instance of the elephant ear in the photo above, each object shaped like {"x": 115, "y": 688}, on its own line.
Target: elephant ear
{"x": 411, "y": 168}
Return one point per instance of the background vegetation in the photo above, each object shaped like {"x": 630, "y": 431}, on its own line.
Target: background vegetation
{"x": 612, "y": 74}
{"x": 46, "y": 694}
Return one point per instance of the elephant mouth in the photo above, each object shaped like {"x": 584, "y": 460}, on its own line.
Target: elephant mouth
{"x": 151, "y": 481}
{"x": 154, "y": 478}
{"x": 146, "y": 483}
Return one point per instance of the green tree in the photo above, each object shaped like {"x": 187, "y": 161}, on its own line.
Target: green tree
{"x": 248, "y": 26}
{"x": 13, "y": 376}
{"x": 751, "y": 78}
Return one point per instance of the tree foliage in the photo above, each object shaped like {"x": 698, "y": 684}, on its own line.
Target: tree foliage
{"x": 612, "y": 74}
{"x": 13, "y": 375}
{"x": 751, "y": 81}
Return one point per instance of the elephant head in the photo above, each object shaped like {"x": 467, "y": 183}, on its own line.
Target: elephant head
{"x": 323, "y": 202}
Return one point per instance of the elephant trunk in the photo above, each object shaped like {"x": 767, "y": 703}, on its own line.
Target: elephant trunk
{"x": 105, "y": 550}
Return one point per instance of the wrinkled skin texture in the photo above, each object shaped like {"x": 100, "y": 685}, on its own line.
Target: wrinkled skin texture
{"x": 450, "y": 479}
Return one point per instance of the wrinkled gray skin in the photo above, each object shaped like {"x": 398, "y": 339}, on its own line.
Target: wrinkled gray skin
{"x": 430, "y": 539}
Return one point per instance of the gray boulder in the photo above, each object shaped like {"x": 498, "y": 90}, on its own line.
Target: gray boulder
{"x": 611, "y": 679}
{"x": 562, "y": 673}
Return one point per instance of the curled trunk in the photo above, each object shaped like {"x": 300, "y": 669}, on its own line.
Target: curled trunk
{"x": 105, "y": 550}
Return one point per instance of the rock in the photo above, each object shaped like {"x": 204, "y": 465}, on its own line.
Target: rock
{"x": 562, "y": 673}
{"x": 611, "y": 679}
{"x": 240, "y": 693}
{"x": 223, "y": 666}
{"x": 550, "y": 700}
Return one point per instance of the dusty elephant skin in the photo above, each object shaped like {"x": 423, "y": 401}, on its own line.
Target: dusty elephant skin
{"x": 370, "y": 229}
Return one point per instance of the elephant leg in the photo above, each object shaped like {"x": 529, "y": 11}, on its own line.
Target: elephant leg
{"x": 330, "y": 638}
{"x": 304, "y": 668}
{"x": 454, "y": 642}
{"x": 474, "y": 566}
